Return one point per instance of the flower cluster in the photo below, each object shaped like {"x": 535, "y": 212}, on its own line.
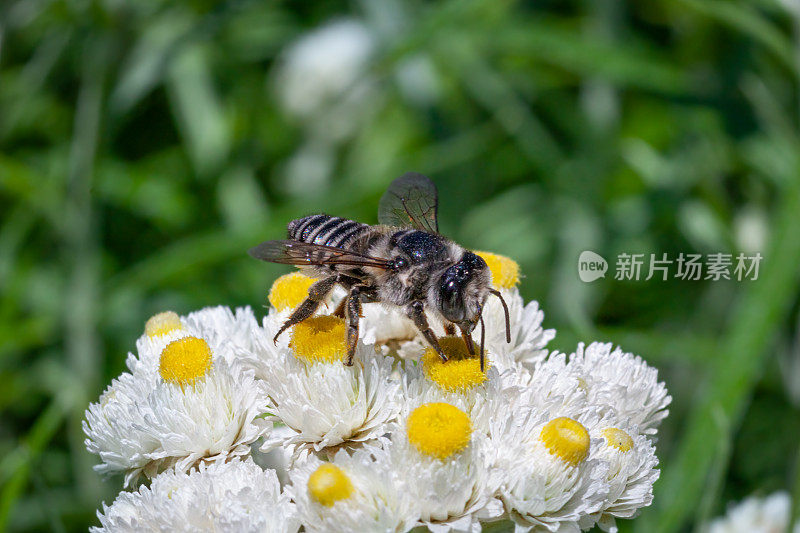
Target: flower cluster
{"x": 238, "y": 432}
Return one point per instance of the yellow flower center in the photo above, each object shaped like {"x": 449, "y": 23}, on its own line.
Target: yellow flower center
{"x": 319, "y": 339}
{"x": 289, "y": 290}
{"x": 460, "y": 373}
{"x": 162, "y": 323}
{"x": 185, "y": 360}
{"x": 618, "y": 439}
{"x": 566, "y": 438}
{"x": 329, "y": 484}
{"x": 505, "y": 271}
{"x": 439, "y": 429}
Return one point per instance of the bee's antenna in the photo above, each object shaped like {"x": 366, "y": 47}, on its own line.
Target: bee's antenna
{"x": 505, "y": 308}
{"x": 483, "y": 338}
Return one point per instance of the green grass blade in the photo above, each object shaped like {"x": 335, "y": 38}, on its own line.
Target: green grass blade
{"x": 733, "y": 374}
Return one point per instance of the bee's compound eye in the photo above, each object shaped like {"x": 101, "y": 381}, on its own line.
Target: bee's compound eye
{"x": 450, "y": 296}
{"x": 400, "y": 263}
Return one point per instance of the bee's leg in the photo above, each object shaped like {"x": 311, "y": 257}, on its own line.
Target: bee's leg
{"x": 468, "y": 341}
{"x": 316, "y": 293}
{"x": 449, "y": 329}
{"x": 339, "y": 313}
{"x": 416, "y": 312}
{"x": 352, "y": 315}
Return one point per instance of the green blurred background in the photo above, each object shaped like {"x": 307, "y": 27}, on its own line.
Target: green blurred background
{"x": 144, "y": 146}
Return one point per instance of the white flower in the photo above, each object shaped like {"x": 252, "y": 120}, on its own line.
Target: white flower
{"x": 552, "y": 478}
{"x": 529, "y": 340}
{"x": 227, "y": 497}
{"x": 757, "y": 515}
{"x": 228, "y": 333}
{"x": 195, "y": 407}
{"x": 460, "y": 382}
{"x": 383, "y": 323}
{"x": 442, "y": 461}
{"x": 390, "y": 332}
{"x": 632, "y": 472}
{"x": 279, "y": 458}
{"x": 326, "y": 403}
{"x": 623, "y": 383}
{"x": 351, "y": 493}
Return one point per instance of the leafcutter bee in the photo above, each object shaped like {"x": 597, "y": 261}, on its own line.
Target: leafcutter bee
{"x": 404, "y": 261}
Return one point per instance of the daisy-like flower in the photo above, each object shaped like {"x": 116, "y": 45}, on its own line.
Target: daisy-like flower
{"x": 528, "y": 338}
{"x": 757, "y": 515}
{"x": 482, "y": 394}
{"x": 632, "y": 471}
{"x": 326, "y": 403}
{"x": 442, "y": 462}
{"x": 228, "y": 332}
{"x": 552, "y": 478}
{"x": 622, "y": 383}
{"x": 351, "y": 493}
{"x": 228, "y": 497}
{"x": 196, "y": 407}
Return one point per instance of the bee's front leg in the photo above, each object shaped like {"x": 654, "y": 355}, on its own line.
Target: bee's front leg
{"x": 352, "y": 314}
{"x": 316, "y": 293}
{"x": 416, "y": 312}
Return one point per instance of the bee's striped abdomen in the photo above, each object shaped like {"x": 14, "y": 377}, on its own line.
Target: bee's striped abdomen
{"x": 325, "y": 229}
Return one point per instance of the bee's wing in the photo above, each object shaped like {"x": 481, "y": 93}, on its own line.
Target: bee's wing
{"x": 410, "y": 201}
{"x": 291, "y": 252}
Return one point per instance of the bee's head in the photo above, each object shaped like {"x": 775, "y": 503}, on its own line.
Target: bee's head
{"x": 462, "y": 291}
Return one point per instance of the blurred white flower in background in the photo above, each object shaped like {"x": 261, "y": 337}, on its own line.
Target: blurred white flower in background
{"x": 757, "y": 515}
{"x": 751, "y": 229}
{"x": 324, "y": 66}
{"x": 323, "y": 83}
{"x": 418, "y": 80}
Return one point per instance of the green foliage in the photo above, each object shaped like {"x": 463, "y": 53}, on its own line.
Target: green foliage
{"x": 144, "y": 146}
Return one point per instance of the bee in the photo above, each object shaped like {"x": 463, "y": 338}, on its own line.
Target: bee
{"x": 404, "y": 261}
